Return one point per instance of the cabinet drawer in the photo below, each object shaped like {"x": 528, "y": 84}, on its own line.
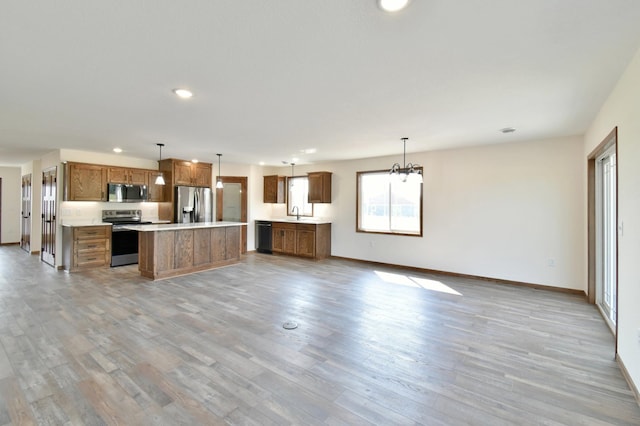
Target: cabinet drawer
{"x": 88, "y": 246}
{"x": 283, "y": 225}
{"x": 88, "y": 232}
{"x": 90, "y": 260}
{"x": 306, "y": 227}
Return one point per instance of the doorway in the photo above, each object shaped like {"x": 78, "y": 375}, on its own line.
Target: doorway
{"x": 602, "y": 192}
{"x": 231, "y": 204}
{"x": 25, "y": 221}
{"x": 49, "y": 223}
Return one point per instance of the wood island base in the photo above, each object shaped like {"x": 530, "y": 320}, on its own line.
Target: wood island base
{"x": 173, "y": 252}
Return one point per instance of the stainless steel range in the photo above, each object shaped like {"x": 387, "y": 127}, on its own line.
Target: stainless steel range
{"x": 124, "y": 242}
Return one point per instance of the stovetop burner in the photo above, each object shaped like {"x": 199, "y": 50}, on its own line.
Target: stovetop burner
{"x": 122, "y": 216}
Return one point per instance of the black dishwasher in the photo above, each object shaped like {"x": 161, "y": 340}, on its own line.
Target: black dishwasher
{"x": 263, "y": 235}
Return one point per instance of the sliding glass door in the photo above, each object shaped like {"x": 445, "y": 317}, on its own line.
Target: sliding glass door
{"x": 606, "y": 235}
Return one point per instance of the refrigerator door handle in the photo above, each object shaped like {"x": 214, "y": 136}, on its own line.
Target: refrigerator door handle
{"x": 196, "y": 212}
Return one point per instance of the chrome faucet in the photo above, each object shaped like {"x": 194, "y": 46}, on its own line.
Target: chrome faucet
{"x": 297, "y": 210}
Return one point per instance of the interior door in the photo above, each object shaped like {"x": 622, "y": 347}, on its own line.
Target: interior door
{"x": 231, "y": 204}
{"x": 25, "y": 220}
{"x": 49, "y": 189}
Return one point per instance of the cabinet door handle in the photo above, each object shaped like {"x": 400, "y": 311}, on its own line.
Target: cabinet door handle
{"x": 93, "y": 258}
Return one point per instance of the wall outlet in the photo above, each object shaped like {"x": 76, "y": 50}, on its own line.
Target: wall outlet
{"x": 639, "y": 335}
{"x": 551, "y": 263}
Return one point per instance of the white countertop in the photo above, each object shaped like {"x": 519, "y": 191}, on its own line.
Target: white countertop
{"x": 303, "y": 219}
{"x": 177, "y": 226}
{"x": 79, "y": 223}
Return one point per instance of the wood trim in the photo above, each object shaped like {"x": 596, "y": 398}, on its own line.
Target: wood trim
{"x": 606, "y": 143}
{"x": 477, "y": 277}
{"x": 10, "y": 244}
{"x": 0, "y": 210}
{"x": 381, "y": 232}
{"x": 287, "y": 185}
{"x": 627, "y": 376}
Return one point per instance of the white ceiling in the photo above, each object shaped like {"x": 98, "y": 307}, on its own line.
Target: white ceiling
{"x": 273, "y": 77}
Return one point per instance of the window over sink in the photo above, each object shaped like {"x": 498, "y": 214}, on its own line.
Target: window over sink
{"x": 298, "y": 196}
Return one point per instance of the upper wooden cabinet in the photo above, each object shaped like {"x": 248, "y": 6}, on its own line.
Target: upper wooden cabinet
{"x": 156, "y": 192}
{"x": 88, "y": 182}
{"x": 274, "y": 189}
{"x": 128, "y": 176}
{"x": 85, "y": 182}
{"x": 319, "y": 187}
{"x": 191, "y": 174}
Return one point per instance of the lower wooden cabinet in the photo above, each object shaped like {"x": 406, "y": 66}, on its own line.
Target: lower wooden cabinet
{"x": 172, "y": 252}
{"x": 283, "y": 238}
{"x": 86, "y": 247}
{"x": 301, "y": 239}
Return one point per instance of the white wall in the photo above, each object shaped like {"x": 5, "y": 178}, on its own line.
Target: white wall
{"x": 622, "y": 109}
{"x": 500, "y": 211}
{"x": 11, "y": 204}
{"x": 120, "y": 160}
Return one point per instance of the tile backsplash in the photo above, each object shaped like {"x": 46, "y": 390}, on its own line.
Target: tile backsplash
{"x": 91, "y": 212}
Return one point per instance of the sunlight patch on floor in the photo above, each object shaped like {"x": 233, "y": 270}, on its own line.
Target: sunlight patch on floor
{"x": 407, "y": 281}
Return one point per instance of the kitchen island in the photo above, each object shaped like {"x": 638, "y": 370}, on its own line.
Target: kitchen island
{"x": 168, "y": 250}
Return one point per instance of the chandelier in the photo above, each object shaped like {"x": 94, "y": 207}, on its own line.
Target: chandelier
{"x": 407, "y": 173}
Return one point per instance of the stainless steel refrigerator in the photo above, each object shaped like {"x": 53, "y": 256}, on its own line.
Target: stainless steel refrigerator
{"x": 193, "y": 204}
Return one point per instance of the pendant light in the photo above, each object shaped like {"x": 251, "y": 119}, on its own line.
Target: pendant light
{"x": 408, "y": 172}
{"x": 292, "y": 165}
{"x": 160, "y": 178}
{"x": 392, "y": 5}
{"x": 219, "y": 180}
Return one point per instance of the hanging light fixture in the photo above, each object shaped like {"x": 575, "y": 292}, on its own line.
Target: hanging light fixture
{"x": 392, "y": 5}
{"x": 219, "y": 180}
{"x": 160, "y": 178}
{"x": 408, "y": 172}
{"x": 292, "y": 164}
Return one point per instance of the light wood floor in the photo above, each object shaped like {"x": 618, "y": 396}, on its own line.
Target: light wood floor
{"x": 373, "y": 346}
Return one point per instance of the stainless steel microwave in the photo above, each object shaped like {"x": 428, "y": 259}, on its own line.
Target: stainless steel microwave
{"x": 121, "y": 193}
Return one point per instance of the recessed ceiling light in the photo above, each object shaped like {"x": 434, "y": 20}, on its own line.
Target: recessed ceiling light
{"x": 183, "y": 93}
{"x": 261, "y": 163}
{"x": 508, "y": 130}
{"x": 392, "y": 5}
{"x": 308, "y": 151}
{"x": 117, "y": 150}
{"x": 195, "y": 160}
{"x": 295, "y": 159}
